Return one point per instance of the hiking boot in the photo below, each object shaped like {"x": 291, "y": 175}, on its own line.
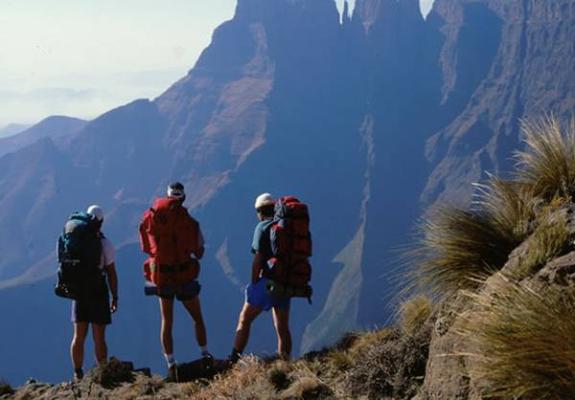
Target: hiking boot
{"x": 78, "y": 374}
{"x": 207, "y": 360}
{"x": 172, "y": 374}
{"x": 234, "y": 357}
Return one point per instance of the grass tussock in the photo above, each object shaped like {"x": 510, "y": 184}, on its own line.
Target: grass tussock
{"x": 5, "y": 389}
{"x": 368, "y": 340}
{"x": 510, "y": 206}
{"x": 414, "y": 313}
{"x": 524, "y": 342}
{"x": 550, "y": 240}
{"x": 394, "y": 368}
{"x": 246, "y": 381}
{"x": 459, "y": 248}
{"x": 547, "y": 164}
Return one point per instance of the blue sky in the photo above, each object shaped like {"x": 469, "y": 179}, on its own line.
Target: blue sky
{"x": 83, "y": 57}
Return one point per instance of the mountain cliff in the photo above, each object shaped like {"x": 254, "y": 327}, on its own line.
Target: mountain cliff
{"x": 368, "y": 119}
{"x": 501, "y": 61}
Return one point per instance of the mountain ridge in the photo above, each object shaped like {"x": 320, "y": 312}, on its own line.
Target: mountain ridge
{"x": 368, "y": 121}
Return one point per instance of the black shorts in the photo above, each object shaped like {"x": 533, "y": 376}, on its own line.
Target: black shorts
{"x": 184, "y": 292}
{"x": 95, "y": 310}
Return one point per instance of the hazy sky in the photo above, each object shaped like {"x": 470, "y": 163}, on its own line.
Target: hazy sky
{"x": 83, "y": 57}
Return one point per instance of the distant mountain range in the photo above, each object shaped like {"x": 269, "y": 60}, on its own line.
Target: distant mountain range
{"x": 12, "y": 129}
{"x": 56, "y": 128}
{"x": 369, "y": 119}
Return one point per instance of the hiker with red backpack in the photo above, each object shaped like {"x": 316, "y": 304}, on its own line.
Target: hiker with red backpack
{"x": 280, "y": 270}
{"x": 174, "y": 242}
{"x": 87, "y": 273}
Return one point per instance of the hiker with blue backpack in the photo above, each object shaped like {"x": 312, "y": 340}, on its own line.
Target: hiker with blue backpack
{"x": 280, "y": 269}
{"x": 86, "y": 275}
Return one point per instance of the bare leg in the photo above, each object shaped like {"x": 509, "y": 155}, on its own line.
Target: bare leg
{"x": 281, "y": 324}
{"x": 77, "y": 345}
{"x": 195, "y": 311}
{"x": 100, "y": 347}
{"x": 247, "y": 316}
{"x": 167, "y": 314}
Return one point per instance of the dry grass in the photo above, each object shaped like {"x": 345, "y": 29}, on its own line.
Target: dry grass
{"x": 458, "y": 250}
{"x": 393, "y": 368}
{"x": 524, "y": 342}
{"x": 548, "y": 162}
{"x": 510, "y": 205}
{"x": 414, "y": 313}
{"x": 5, "y": 388}
{"x": 357, "y": 367}
{"x": 246, "y": 381}
{"x": 550, "y": 240}
{"x": 369, "y": 339}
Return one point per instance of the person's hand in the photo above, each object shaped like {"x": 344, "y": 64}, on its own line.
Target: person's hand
{"x": 114, "y": 306}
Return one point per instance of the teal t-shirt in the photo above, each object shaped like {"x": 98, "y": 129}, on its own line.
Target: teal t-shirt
{"x": 261, "y": 241}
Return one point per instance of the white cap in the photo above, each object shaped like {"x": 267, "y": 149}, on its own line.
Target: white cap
{"x": 264, "y": 199}
{"x": 96, "y": 212}
{"x": 176, "y": 190}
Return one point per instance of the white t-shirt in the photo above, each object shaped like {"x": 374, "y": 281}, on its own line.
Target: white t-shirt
{"x": 108, "y": 253}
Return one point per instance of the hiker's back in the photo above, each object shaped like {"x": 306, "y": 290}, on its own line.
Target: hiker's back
{"x": 291, "y": 246}
{"x": 170, "y": 236}
{"x": 79, "y": 255}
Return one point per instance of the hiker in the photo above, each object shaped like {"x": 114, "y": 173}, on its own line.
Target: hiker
{"x": 92, "y": 303}
{"x": 174, "y": 241}
{"x": 257, "y": 298}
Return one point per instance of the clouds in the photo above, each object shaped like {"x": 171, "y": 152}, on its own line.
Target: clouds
{"x": 49, "y": 95}
{"x": 84, "y": 57}
{"x": 85, "y": 95}
{"x": 30, "y": 107}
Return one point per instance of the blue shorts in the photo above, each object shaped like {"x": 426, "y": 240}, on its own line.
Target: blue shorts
{"x": 257, "y": 295}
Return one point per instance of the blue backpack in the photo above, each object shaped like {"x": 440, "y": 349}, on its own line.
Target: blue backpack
{"x": 79, "y": 253}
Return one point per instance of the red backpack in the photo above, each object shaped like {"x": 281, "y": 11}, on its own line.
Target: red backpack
{"x": 291, "y": 245}
{"x": 170, "y": 236}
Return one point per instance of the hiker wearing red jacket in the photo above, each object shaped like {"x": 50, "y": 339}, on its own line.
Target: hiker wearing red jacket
{"x": 174, "y": 241}
{"x": 258, "y": 298}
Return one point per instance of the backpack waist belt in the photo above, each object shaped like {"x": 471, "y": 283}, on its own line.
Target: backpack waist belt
{"x": 71, "y": 261}
{"x": 169, "y": 268}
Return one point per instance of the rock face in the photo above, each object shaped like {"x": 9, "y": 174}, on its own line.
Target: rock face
{"x": 501, "y": 61}
{"x": 361, "y": 119}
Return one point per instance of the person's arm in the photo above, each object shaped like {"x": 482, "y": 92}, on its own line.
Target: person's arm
{"x": 200, "y": 245}
{"x": 257, "y": 267}
{"x": 113, "y": 284}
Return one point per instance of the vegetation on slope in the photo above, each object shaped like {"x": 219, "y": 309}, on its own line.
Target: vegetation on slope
{"x": 524, "y": 341}
{"x": 460, "y": 248}
{"x": 518, "y": 334}
{"x": 517, "y": 331}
